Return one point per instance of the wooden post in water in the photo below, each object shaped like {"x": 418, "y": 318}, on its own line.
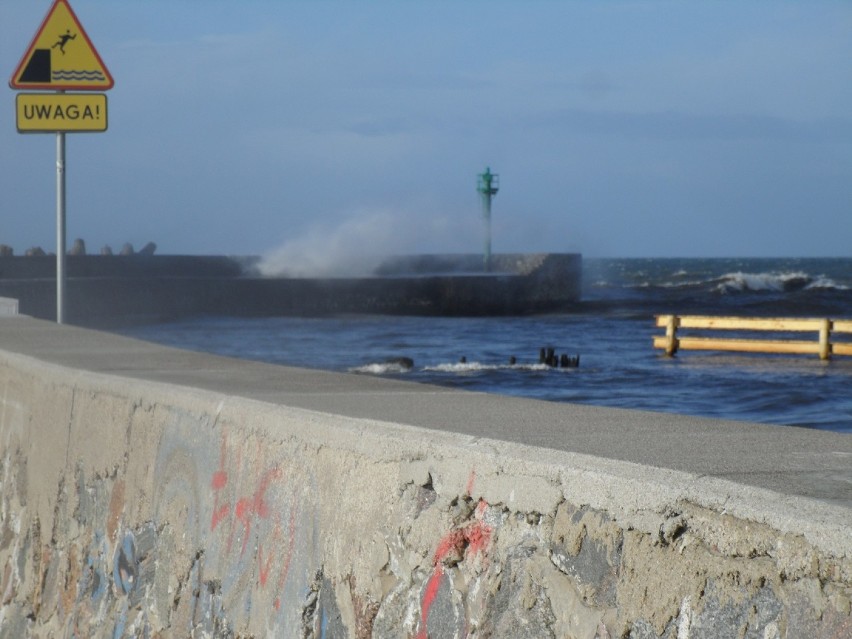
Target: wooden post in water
{"x": 671, "y": 335}
{"x": 824, "y": 340}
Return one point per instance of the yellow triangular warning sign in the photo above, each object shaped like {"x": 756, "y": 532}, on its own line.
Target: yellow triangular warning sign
{"x": 61, "y": 56}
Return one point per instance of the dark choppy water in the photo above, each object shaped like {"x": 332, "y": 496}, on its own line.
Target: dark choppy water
{"x": 612, "y": 332}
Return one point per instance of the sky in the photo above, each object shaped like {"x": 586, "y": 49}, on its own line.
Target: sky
{"x": 304, "y": 130}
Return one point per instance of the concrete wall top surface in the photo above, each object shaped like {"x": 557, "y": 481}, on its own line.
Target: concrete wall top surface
{"x": 796, "y": 480}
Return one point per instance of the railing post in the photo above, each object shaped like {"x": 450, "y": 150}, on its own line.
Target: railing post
{"x": 671, "y": 335}
{"x": 825, "y": 340}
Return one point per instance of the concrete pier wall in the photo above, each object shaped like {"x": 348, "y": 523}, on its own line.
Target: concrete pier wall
{"x": 109, "y": 291}
{"x": 152, "y": 492}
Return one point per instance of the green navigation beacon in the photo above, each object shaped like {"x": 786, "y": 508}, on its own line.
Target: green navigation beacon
{"x": 487, "y": 185}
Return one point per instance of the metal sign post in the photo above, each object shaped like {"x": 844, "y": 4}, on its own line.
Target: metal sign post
{"x": 61, "y": 58}
{"x": 60, "y": 227}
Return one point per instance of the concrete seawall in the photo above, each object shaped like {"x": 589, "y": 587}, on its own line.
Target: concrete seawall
{"x": 108, "y": 291}
{"x": 153, "y": 492}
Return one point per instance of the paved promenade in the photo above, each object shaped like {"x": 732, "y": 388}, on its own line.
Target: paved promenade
{"x": 790, "y": 461}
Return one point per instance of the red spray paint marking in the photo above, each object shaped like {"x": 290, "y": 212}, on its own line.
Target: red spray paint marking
{"x": 429, "y": 599}
{"x": 285, "y": 566}
{"x": 256, "y": 505}
{"x": 249, "y": 507}
{"x": 264, "y": 566}
{"x": 473, "y": 539}
{"x": 220, "y": 480}
{"x": 222, "y": 510}
{"x": 453, "y": 540}
{"x": 478, "y": 533}
{"x": 276, "y": 538}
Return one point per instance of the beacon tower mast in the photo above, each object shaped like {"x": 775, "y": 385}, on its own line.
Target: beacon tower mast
{"x": 488, "y": 184}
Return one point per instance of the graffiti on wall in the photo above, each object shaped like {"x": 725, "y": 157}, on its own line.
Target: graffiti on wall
{"x": 257, "y": 516}
{"x": 467, "y": 541}
{"x": 228, "y": 530}
{"x": 252, "y": 515}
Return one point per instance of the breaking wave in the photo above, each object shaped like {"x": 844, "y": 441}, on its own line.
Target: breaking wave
{"x": 775, "y": 282}
{"x": 730, "y": 282}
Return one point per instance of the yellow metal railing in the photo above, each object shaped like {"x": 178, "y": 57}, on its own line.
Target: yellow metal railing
{"x": 823, "y": 345}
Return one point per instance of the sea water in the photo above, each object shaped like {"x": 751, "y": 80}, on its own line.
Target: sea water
{"x": 611, "y": 331}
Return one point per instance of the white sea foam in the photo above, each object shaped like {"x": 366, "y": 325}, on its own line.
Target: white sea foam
{"x": 823, "y": 282}
{"x": 781, "y": 280}
{"x": 457, "y": 368}
{"x": 382, "y": 368}
{"x": 477, "y": 367}
{"x": 774, "y": 281}
{"x": 682, "y": 284}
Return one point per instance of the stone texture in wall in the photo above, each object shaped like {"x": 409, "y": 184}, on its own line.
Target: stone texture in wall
{"x": 132, "y": 515}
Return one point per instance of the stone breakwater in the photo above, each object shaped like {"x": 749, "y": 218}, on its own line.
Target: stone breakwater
{"x": 140, "y": 498}
{"x": 114, "y": 290}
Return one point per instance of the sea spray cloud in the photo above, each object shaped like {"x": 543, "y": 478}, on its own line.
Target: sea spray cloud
{"x": 353, "y": 248}
{"x": 356, "y": 246}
